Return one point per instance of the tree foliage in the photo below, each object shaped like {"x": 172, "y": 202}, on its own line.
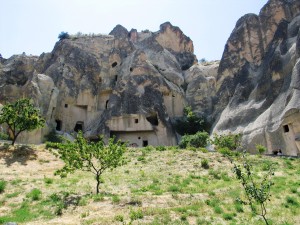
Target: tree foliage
{"x": 63, "y": 35}
{"x": 190, "y": 123}
{"x": 230, "y": 141}
{"x": 94, "y": 157}
{"x": 200, "y": 139}
{"x": 257, "y": 187}
{"x": 21, "y": 116}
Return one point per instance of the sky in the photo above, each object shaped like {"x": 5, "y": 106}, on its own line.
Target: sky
{"x": 32, "y": 26}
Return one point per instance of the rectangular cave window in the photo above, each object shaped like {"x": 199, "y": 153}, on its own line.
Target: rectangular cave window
{"x": 286, "y": 128}
{"x": 66, "y": 105}
{"x": 136, "y": 120}
{"x": 78, "y": 126}
{"x": 145, "y": 143}
{"x": 58, "y": 125}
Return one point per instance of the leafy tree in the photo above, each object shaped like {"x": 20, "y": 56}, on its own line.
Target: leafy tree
{"x": 197, "y": 140}
{"x": 190, "y": 123}
{"x": 21, "y": 116}
{"x": 63, "y": 35}
{"x": 257, "y": 187}
{"x": 230, "y": 141}
{"x": 261, "y": 149}
{"x": 94, "y": 157}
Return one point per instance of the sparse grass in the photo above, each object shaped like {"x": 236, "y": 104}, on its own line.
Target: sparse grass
{"x": 167, "y": 186}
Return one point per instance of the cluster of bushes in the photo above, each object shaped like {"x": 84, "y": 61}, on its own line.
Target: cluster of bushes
{"x": 190, "y": 123}
{"x": 227, "y": 144}
{"x": 198, "y": 140}
{"x": 65, "y": 35}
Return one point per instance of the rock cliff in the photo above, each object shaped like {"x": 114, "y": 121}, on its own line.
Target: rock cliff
{"x": 134, "y": 84}
{"x": 255, "y": 91}
{"x": 126, "y": 84}
{"x": 251, "y": 89}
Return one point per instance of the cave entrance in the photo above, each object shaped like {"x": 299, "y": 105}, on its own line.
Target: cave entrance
{"x": 153, "y": 119}
{"x": 78, "y": 126}
{"x": 58, "y": 125}
{"x": 145, "y": 143}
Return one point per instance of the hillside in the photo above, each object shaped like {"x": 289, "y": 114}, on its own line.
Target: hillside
{"x": 163, "y": 186}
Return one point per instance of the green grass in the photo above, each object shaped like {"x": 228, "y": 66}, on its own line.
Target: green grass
{"x": 35, "y": 194}
{"x": 163, "y": 186}
{"x": 136, "y": 214}
{"x": 2, "y": 186}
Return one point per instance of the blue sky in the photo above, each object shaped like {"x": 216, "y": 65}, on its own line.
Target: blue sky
{"x": 32, "y": 26}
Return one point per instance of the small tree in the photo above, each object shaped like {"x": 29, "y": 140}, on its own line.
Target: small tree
{"x": 230, "y": 141}
{"x": 21, "y": 116}
{"x": 197, "y": 140}
{"x": 94, "y": 157}
{"x": 63, "y": 35}
{"x": 190, "y": 123}
{"x": 257, "y": 188}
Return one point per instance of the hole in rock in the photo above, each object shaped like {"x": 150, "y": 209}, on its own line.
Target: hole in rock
{"x": 58, "y": 125}
{"x": 286, "y": 128}
{"x": 114, "y": 64}
{"x": 78, "y": 126}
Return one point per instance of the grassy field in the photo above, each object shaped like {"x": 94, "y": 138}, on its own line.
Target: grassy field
{"x": 155, "y": 187}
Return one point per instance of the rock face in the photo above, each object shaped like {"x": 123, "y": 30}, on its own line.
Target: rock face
{"x": 126, "y": 84}
{"x": 256, "y": 91}
{"x": 253, "y": 89}
{"x": 133, "y": 84}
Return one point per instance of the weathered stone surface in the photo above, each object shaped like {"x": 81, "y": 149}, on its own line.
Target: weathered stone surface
{"x": 93, "y": 82}
{"x": 263, "y": 103}
{"x": 133, "y": 84}
{"x": 201, "y": 87}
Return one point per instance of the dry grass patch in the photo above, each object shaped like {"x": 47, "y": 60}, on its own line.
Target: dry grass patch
{"x": 154, "y": 187}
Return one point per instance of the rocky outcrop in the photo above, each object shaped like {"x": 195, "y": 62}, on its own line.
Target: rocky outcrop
{"x": 127, "y": 84}
{"x": 248, "y": 44}
{"x": 134, "y": 84}
{"x": 200, "y": 81}
{"x": 255, "y": 92}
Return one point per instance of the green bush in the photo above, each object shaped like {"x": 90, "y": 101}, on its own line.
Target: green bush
{"x": 54, "y": 137}
{"x": 225, "y": 151}
{"x": 4, "y": 136}
{"x": 134, "y": 215}
{"x": 190, "y": 123}
{"x": 230, "y": 141}
{"x": 115, "y": 199}
{"x": 48, "y": 180}
{"x": 261, "y": 149}
{"x": 2, "y": 185}
{"x": 63, "y": 35}
{"x": 204, "y": 163}
{"x": 35, "y": 194}
{"x": 197, "y": 140}
{"x": 160, "y": 148}
{"x": 119, "y": 218}
{"x": 204, "y": 150}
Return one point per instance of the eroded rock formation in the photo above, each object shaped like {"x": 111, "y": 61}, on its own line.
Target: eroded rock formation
{"x": 255, "y": 83}
{"x": 126, "y": 84}
{"x": 133, "y": 84}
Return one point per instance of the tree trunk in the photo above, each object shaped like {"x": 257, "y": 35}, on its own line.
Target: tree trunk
{"x": 14, "y": 140}
{"x": 265, "y": 219}
{"x": 98, "y": 183}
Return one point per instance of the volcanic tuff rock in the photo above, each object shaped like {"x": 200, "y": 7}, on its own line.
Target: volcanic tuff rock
{"x": 133, "y": 84}
{"x": 256, "y": 91}
{"x": 126, "y": 84}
